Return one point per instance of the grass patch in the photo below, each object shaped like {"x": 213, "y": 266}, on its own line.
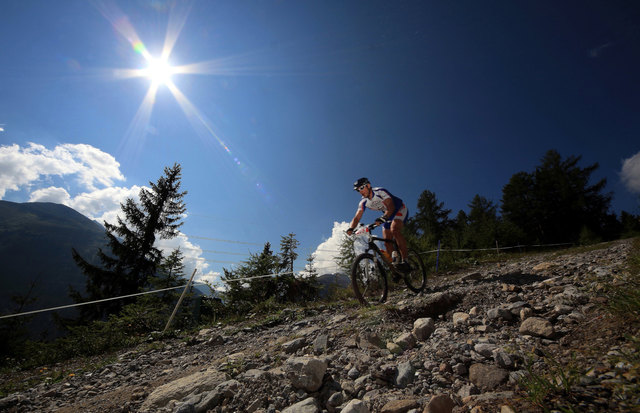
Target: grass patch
{"x": 624, "y": 293}
{"x": 550, "y": 386}
{"x": 553, "y": 386}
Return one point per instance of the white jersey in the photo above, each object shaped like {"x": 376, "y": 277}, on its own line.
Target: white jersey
{"x": 377, "y": 201}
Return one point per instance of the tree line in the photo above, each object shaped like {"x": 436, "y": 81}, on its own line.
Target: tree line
{"x": 555, "y": 203}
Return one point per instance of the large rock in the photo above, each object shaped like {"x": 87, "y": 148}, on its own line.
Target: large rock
{"x": 399, "y": 406}
{"x": 487, "y": 376}
{"x": 203, "y": 402}
{"x": 423, "y": 328}
{"x": 406, "y": 340}
{"x": 200, "y": 382}
{"x": 367, "y": 340}
{"x": 308, "y": 405}
{"x": 430, "y": 306}
{"x": 441, "y": 403}
{"x": 499, "y": 313}
{"x": 294, "y": 345}
{"x": 306, "y": 373}
{"x": 460, "y": 318}
{"x": 485, "y": 349}
{"x": 542, "y": 267}
{"x": 406, "y": 374}
{"x": 355, "y": 406}
{"x": 536, "y": 326}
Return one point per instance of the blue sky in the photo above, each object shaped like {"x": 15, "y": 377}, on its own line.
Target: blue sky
{"x": 286, "y": 103}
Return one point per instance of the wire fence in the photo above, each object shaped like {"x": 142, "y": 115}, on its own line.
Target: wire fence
{"x": 245, "y": 279}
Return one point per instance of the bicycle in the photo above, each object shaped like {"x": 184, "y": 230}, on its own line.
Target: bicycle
{"x": 368, "y": 275}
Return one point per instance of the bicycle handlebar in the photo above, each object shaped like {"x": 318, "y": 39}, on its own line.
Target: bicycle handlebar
{"x": 365, "y": 228}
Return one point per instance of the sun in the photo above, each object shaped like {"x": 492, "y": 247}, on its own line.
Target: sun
{"x": 159, "y": 71}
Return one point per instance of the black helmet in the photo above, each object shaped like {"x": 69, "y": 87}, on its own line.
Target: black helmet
{"x": 362, "y": 181}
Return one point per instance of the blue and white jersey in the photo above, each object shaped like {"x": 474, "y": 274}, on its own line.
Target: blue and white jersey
{"x": 377, "y": 201}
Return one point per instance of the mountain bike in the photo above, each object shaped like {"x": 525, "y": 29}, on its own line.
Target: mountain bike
{"x": 368, "y": 274}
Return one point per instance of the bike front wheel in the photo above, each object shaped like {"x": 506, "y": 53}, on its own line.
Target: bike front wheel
{"x": 368, "y": 280}
{"x": 416, "y": 280}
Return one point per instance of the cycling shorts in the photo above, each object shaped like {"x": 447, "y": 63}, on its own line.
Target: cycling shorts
{"x": 401, "y": 214}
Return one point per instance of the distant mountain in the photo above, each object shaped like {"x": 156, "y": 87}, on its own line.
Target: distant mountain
{"x": 328, "y": 280}
{"x": 35, "y": 247}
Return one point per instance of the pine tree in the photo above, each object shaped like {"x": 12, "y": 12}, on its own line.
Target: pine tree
{"x": 457, "y": 234}
{"x": 483, "y": 222}
{"x": 132, "y": 258}
{"x": 310, "y": 267}
{"x": 170, "y": 274}
{"x": 556, "y": 202}
{"x": 430, "y": 222}
{"x": 630, "y": 224}
{"x": 288, "y": 254}
{"x": 252, "y": 282}
{"x": 346, "y": 254}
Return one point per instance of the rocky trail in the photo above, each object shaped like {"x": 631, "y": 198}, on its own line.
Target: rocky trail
{"x": 464, "y": 345}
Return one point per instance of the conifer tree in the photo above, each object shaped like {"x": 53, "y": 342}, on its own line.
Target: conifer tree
{"x": 483, "y": 222}
{"x": 310, "y": 266}
{"x": 346, "y": 254}
{"x": 170, "y": 274}
{"x": 557, "y": 202}
{"x": 458, "y": 233}
{"x": 288, "y": 254}
{"x": 131, "y": 257}
{"x": 430, "y": 221}
{"x": 249, "y": 284}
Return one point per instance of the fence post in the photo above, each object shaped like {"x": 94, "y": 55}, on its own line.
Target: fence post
{"x": 175, "y": 310}
{"x": 438, "y": 256}
{"x": 497, "y": 249}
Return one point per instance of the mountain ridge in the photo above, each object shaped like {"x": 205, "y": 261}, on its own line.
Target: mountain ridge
{"x": 36, "y": 239}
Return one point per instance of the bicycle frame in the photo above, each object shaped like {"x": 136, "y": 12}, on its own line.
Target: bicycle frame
{"x": 372, "y": 246}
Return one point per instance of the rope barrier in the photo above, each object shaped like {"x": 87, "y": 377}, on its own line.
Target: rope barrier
{"x": 62, "y": 307}
{"x": 244, "y": 279}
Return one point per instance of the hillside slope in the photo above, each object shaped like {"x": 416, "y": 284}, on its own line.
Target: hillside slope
{"x": 35, "y": 247}
{"x": 464, "y": 344}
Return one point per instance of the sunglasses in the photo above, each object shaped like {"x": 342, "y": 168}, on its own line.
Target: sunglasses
{"x": 361, "y": 187}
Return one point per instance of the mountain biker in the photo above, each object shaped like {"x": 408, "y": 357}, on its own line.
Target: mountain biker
{"x": 394, "y": 216}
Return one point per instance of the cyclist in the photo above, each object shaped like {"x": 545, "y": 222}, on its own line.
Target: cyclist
{"x": 394, "y": 216}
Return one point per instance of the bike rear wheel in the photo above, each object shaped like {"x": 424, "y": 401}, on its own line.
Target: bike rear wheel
{"x": 368, "y": 280}
{"x": 416, "y": 280}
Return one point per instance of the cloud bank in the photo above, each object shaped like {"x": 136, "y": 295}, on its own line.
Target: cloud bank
{"x": 630, "y": 173}
{"x": 23, "y": 167}
{"x": 89, "y": 177}
{"x": 326, "y": 252}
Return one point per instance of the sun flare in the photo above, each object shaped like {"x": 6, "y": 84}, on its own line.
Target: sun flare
{"x": 159, "y": 71}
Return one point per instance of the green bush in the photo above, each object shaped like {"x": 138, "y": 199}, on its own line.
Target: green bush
{"x": 134, "y": 322}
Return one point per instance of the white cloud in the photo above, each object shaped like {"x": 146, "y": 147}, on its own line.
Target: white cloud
{"x": 51, "y": 194}
{"x": 94, "y": 194}
{"x": 327, "y": 251}
{"x": 213, "y": 278}
{"x": 24, "y": 167}
{"x": 630, "y": 173}
{"x": 104, "y": 204}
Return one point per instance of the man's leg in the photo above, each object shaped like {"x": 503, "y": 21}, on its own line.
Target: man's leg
{"x": 387, "y": 234}
{"x": 396, "y": 231}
